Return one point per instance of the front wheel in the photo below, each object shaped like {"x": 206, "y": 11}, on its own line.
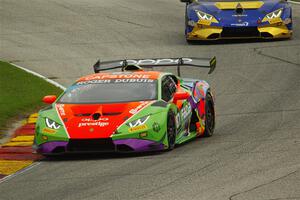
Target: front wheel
{"x": 209, "y": 116}
{"x": 171, "y": 130}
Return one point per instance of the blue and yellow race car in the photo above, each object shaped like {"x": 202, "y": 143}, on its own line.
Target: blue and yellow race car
{"x": 230, "y": 19}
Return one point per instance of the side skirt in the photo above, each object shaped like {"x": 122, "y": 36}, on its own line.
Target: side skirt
{"x": 185, "y": 138}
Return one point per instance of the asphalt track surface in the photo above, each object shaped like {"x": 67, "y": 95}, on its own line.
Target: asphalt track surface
{"x": 255, "y": 152}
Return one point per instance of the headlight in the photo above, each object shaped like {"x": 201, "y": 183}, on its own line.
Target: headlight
{"x": 52, "y": 124}
{"x": 138, "y": 122}
{"x": 207, "y": 17}
{"x": 273, "y": 15}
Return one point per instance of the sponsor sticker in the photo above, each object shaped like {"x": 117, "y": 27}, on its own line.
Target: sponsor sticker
{"x": 48, "y": 130}
{"x": 106, "y": 77}
{"x": 241, "y": 24}
{"x": 165, "y": 61}
{"x": 239, "y": 15}
{"x": 92, "y": 120}
{"x": 124, "y": 80}
{"x": 61, "y": 110}
{"x": 275, "y": 20}
{"x": 137, "y": 109}
{"x": 205, "y": 22}
{"x": 138, "y": 128}
{"x": 99, "y": 124}
{"x": 186, "y": 111}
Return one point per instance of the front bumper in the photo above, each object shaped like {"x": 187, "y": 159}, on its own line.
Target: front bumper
{"x": 203, "y": 32}
{"x": 99, "y": 145}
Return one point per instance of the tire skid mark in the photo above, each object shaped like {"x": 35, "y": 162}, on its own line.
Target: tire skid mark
{"x": 259, "y": 52}
{"x": 262, "y": 112}
{"x": 261, "y": 185}
{"x": 160, "y": 187}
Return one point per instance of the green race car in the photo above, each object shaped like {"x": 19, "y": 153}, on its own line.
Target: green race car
{"x": 129, "y": 111}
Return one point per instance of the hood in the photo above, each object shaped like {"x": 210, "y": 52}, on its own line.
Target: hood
{"x": 88, "y": 121}
{"x": 226, "y": 14}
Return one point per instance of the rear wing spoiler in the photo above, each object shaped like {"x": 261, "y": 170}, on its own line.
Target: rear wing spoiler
{"x": 138, "y": 64}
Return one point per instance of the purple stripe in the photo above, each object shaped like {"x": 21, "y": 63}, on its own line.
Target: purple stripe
{"x": 140, "y": 145}
{"x": 192, "y": 102}
{"x": 48, "y": 147}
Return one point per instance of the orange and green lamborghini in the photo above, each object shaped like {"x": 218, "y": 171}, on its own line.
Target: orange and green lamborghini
{"x": 133, "y": 110}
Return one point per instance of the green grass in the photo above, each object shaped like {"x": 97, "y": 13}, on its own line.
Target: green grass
{"x": 20, "y": 93}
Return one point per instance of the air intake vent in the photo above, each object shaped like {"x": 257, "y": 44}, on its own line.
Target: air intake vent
{"x": 91, "y": 145}
{"x": 83, "y": 114}
{"x": 111, "y": 113}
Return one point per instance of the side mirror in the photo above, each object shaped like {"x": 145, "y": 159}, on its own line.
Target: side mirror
{"x": 49, "y": 99}
{"x": 180, "y": 96}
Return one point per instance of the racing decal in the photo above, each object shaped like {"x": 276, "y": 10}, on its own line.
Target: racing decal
{"x": 138, "y": 108}
{"x": 134, "y": 81}
{"x": 61, "y": 113}
{"x": 182, "y": 117}
{"x": 97, "y": 81}
{"x": 199, "y": 90}
{"x": 60, "y": 108}
{"x": 138, "y": 128}
{"x": 141, "y": 80}
{"x": 130, "y": 75}
{"x": 90, "y": 119}
{"x": 79, "y": 126}
{"x": 98, "y": 123}
{"x": 198, "y": 101}
{"x": 186, "y": 111}
{"x": 48, "y": 130}
{"x": 164, "y": 61}
{"x": 240, "y": 15}
{"x": 240, "y": 24}
{"x": 275, "y": 20}
{"x": 205, "y": 22}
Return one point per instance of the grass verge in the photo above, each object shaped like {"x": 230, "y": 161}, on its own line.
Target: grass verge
{"x": 20, "y": 93}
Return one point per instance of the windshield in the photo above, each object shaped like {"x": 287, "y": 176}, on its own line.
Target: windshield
{"x": 110, "y": 91}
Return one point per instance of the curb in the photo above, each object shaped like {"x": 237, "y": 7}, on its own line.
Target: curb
{"x": 17, "y": 155}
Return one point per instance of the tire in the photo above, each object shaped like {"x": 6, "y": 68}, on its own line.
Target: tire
{"x": 191, "y": 42}
{"x": 186, "y": 27}
{"x": 171, "y": 130}
{"x": 209, "y": 116}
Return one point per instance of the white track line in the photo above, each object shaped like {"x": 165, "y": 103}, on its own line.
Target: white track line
{"x": 41, "y": 76}
{"x": 294, "y": 2}
{"x": 6, "y": 178}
